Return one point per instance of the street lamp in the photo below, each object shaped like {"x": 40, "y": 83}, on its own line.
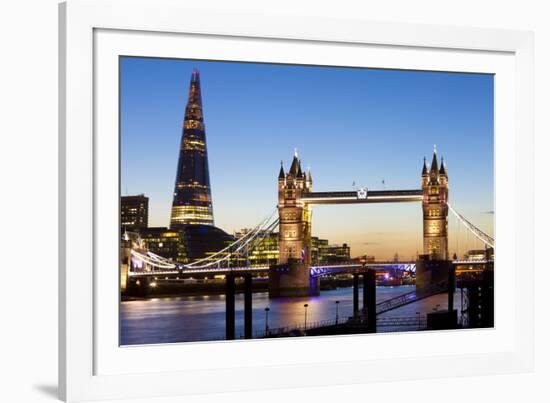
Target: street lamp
{"x": 266, "y": 320}
{"x": 337, "y": 303}
{"x": 305, "y": 316}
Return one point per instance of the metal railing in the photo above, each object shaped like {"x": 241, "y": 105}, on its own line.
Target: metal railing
{"x": 301, "y": 330}
{"x": 410, "y": 297}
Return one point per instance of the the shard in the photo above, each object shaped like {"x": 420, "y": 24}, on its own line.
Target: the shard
{"x": 192, "y": 202}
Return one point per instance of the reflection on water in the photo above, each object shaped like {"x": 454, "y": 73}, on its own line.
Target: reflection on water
{"x": 199, "y": 318}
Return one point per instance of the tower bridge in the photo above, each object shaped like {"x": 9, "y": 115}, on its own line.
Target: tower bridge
{"x": 295, "y": 275}
{"x": 296, "y": 198}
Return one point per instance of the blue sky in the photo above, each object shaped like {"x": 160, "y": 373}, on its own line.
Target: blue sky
{"x": 348, "y": 124}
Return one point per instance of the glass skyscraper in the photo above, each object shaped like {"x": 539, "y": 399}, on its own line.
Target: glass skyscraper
{"x": 192, "y": 198}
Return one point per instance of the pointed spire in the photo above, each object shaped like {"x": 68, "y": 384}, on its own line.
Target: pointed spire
{"x": 295, "y": 164}
{"x": 195, "y": 90}
{"x": 195, "y": 76}
{"x": 424, "y": 168}
{"x": 300, "y": 174}
{"x": 442, "y": 170}
{"x": 308, "y": 174}
{"x": 282, "y": 171}
{"x": 434, "y": 167}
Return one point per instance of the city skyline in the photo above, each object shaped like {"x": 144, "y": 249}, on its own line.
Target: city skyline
{"x": 362, "y": 126}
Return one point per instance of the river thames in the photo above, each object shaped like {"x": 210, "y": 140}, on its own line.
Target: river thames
{"x": 202, "y": 318}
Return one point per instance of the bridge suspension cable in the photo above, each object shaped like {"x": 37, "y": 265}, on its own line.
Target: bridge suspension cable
{"x": 482, "y": 236}
{"x": 157, "y": 263}
{"x": 262, "y": 229}
{"x": 249, "y": 241}
{"x": 242, "y": 240}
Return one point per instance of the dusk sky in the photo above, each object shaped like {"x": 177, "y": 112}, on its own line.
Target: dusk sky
{"x": 348, "y": 124}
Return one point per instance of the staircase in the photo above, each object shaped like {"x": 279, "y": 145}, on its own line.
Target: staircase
{"x": 409, "y": 298}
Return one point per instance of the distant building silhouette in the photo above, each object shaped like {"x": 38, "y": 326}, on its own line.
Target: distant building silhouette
{"x": 165, "y": 242}
{"x": 134, "y": 212}
{"x": 186, "y": 244}
{"x": 267, "y": 250}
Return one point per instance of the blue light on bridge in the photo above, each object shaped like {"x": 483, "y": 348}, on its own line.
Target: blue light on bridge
{"x": 318, "y": 271}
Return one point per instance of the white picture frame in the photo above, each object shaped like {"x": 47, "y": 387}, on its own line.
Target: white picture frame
{"x": 93, "y": 366}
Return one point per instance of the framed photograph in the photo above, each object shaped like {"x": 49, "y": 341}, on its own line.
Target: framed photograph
{"x": 317, "y": 204}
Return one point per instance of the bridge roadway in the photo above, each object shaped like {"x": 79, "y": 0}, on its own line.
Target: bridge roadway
{"x": 315, "y": 271}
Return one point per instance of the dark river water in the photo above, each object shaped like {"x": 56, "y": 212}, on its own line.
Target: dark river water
{"x": 202, "y": 318}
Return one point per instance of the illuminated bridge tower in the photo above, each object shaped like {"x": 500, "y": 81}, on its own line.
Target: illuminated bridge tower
{"x": 192, "y": 202}
{"x": 435, "y": 188}
{"x": 433, "y": 266}
{"x": 290, "y": 277}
